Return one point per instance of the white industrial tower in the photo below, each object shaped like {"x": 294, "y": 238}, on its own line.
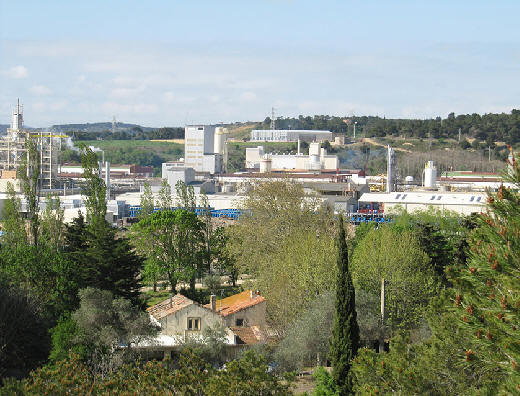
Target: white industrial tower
{"x": 13, "y": 150}
{"x": 390, "y": 170}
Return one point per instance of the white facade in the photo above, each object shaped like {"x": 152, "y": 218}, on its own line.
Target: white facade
{"x": 204, "y": 148}
{"x": 289, "y": 135}
{"x": 175, "y": 174}
{"x": 317, "y": 160}
{"x": 459, "y": 202}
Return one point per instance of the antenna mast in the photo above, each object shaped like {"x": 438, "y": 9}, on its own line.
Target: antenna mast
{"x": 114, "y": 124}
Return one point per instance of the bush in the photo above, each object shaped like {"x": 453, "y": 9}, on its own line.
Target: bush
{"x": 212, "y": 282}
{"x": 324, "y": 383}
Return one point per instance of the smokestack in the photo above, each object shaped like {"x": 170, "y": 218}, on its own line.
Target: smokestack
{"x": 213, "y": 302}
{"x": 390, "y": 170}
{"x": 107, "y": 178}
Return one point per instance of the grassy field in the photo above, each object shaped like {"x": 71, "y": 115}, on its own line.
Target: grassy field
{"x": 243, "y": 131}
{"x": 141, "y": 152}
{"x": 158, "y": 147}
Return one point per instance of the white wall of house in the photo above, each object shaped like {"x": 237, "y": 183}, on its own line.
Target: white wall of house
{"x": 177, "y": 323}
{"x": 252, "y": 316}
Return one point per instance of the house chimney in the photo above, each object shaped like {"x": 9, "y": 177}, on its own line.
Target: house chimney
{"x": 213, "y": 302}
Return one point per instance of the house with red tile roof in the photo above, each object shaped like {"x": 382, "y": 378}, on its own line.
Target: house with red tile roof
{"x": 242, "y": 309}
{"x": 179, "y": 318}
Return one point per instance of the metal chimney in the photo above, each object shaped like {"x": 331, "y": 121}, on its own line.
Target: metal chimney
{"x": 390, "y": 170}
{"x": 107, "y": 178}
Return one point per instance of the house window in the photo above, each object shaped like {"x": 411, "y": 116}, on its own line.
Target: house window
{"x": 239, "y": 322}
{"x": 193, "y": 323}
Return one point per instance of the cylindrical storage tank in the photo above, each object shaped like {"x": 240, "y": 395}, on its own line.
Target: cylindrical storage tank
{"x": 314, "y": 162}
{"x": 220, "y": 140}
{"x": 228, "y": 187}
{"x": 266, "y": 165}
{"x": 430, "y": 175}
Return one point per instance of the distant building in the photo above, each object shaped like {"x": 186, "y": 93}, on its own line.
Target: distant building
{"x": 289, "y": 135}
{"x": 463, "y": 203}
{"x": 317, "y": 160}
{"x": 14, "y": 151}
{"x": 205, "y": 148}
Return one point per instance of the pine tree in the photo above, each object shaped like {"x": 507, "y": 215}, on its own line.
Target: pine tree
{"x": 487, "y": 299}
{"x": 107, "y": 260}
{"x": 345, "y": 337}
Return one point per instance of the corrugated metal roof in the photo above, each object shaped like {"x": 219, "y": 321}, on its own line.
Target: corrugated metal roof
{"x": 427, "y": 198}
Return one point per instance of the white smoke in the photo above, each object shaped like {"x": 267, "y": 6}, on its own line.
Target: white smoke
{"x": 70, "y": 144}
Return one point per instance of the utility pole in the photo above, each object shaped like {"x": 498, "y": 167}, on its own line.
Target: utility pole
{"x": 382, "y": 327}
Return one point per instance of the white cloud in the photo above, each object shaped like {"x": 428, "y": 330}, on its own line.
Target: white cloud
{"x": 129, "y": 110}
{"x": 43, "y": 107}
{"x": 124, "y": 93}
{"x": 17, "y": 72}
{"x": 248, "y": 96}
{"x": 169, "y": 96}
{"x": 40, "y": 90}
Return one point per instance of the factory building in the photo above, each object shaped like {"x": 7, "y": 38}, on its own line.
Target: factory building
{"x": 289, "y": 135}
{"x": 205, "y": 148}
{"x": 463, "y": 203}
{"x": 13, "y": 152}
{"x": 317, "y": 160}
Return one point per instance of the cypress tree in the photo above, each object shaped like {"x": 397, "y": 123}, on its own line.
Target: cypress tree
{"x": 345, "y": 336}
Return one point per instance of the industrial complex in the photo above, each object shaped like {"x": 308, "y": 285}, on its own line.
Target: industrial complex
{"x": 204, "y": 167}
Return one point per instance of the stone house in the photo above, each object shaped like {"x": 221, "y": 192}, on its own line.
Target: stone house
{"x": 179, "y": 318}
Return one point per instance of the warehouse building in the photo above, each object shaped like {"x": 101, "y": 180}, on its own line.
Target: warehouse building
{"x": 289, "y": 135}
{"x": 463, "y": 203}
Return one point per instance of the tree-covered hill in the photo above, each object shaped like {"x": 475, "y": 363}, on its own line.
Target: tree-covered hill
{"x": 488, "y": 127}
{"x": 96, "y": 127}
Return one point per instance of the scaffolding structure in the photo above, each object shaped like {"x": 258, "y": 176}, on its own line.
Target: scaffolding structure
{"x": 13, "y": 151}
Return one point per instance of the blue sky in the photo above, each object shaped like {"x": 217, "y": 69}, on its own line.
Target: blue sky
{"x": 167, "y": 63}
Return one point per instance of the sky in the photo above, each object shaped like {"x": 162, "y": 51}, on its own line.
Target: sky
{"x": 172, "y": 62}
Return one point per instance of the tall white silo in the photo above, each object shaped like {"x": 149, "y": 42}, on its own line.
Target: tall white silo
{"x": 430, "y": 175}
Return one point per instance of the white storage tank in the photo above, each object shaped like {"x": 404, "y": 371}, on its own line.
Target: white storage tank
{"x": 430, "y": 175}
{"x": 220, "y": 140}
{"x": 266, "y": 164}
{"x": 314, "y": 162}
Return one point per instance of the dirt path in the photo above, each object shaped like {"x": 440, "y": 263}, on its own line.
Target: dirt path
{"x": 373, "y": 142}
